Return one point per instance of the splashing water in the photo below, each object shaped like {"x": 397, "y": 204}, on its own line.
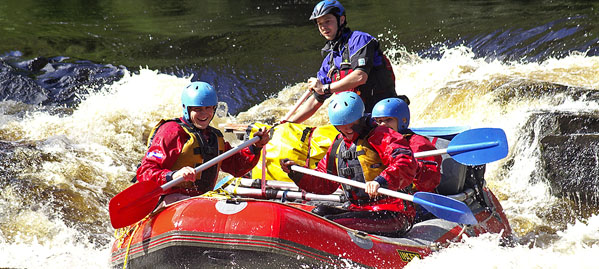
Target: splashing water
{"x": 77, "y": 161}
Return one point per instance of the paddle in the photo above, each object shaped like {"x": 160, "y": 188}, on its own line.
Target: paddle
{"x": 297, "y": 105}
{"x": 285, "y": 194}
{"x": 441, "y": 206}
{"x": 474, "y": 147}
{"x": 439, "y": 131}
{"x": 134, "y": 203}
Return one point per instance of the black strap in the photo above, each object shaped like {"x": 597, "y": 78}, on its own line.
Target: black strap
{"x": 348, "y": 172}
{"x": 306, "y": 132}
{"x": 332, "y": 159}
{"x": 345, "y": 61}
{"x": 350, "y": 155}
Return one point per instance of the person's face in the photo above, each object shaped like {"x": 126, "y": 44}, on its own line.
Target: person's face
{"x": 347, "y": 130}
{"x": 327, "y": 25}
{"x": 390, "y": 122}
{"x": 201, "y": 116}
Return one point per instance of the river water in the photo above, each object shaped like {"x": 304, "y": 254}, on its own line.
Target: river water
{"x": 82, "y": 83}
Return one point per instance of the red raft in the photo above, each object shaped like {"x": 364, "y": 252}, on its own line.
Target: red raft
{"x": 203, "y": 232}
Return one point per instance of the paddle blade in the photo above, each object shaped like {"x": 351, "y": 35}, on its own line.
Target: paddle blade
{"x": 439, "y": 131}
{"x": 133, "y": 203}
{"x": 445, "y": 208}
{"x": 478, "y": 146}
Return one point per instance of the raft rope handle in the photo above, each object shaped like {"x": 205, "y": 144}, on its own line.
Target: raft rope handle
{"x": 129, "y": 247}
{"x": 120, "y": 234}
{"x": 462, "y": 232}
{"x": 263, "y": 179}
{"x": 237, "y": 183}
{"x": 131, "y": 234}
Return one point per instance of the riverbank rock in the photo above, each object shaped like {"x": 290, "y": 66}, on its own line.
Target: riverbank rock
{"x": 569, "y": 153}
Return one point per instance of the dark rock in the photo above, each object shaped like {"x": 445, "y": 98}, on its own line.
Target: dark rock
{"x": 569, "y": 153}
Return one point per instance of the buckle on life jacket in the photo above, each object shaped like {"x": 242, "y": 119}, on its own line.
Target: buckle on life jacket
{"x": 332, "y": 71}
{"x": 349, "y": 155}
{"x": 347, "y": 172}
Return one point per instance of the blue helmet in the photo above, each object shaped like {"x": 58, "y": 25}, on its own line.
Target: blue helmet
{"x": 197, "y": 94}
{"x": 327, "y": 6}
{"x": 345, "y": 108}
{"x": 393, "y": 107}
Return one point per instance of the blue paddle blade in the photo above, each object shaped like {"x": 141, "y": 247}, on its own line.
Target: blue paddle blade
{"x": 439, "y": 131}
{"x": 222, "y": 182}
{"x": 478, "y": 146}
{"x": 445, "y": 208}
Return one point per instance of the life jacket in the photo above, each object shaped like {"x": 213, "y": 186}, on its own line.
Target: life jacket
{"x": 360, "y": 162}
{"x": 196, "y": 151}
{"x": 381, "y": 79}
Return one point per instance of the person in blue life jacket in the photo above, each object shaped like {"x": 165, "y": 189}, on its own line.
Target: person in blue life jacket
{"x": 395, "y": 114}
{"x": 353, "y": 61}
{"x": 364, "y": 152}
{"x": 177, "y": 146}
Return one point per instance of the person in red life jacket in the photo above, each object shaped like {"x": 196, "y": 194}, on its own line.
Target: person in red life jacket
{"x": 178, "y": 145}
{"x": 353, "y": 62}
{"x": 395, "y": 114}
{"x": 365, "y": 152}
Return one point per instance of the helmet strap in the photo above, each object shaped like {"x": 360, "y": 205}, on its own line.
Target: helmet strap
{"x": 340, "y": 26}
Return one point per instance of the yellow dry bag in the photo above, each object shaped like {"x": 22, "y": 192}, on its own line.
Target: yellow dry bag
{"x": 297, "y": 142}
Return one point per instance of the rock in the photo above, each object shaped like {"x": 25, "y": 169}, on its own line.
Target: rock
{"x": 569, "y": 153}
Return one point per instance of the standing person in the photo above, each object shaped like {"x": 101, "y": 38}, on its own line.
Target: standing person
{"x": 368, "y": 153}
{"x": 353, "y": 62}
{"x": 178, "y": 145}
{"x": 395, "y": 114}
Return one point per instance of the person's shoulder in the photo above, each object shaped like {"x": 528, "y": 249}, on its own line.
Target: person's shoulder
{"x": 386, "y": 131}
{"x": 173, "y": 124}
{"x": 421, "y": 139}
{"x": 360, "y": 36}
{"x": 358, "y": 40}
{"x": 170, "y": 127}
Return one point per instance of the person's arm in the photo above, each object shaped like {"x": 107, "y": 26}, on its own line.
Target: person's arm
{"x": 314, "y": 102}
{"x": 162, "y": 154}
{"x": 395, "y": 153}
{"x": 312, "y": 183}
{"x": 362, "y": 49}
{"x": 243, "y": 161}
{"x": 351, "y": 81}
{"x": 429, "y": 168}
{"x": 306, "y": 110}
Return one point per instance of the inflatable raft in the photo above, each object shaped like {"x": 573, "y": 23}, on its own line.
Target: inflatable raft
{"x": 269, "y": 224}
{"x": 205, "y": 232}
